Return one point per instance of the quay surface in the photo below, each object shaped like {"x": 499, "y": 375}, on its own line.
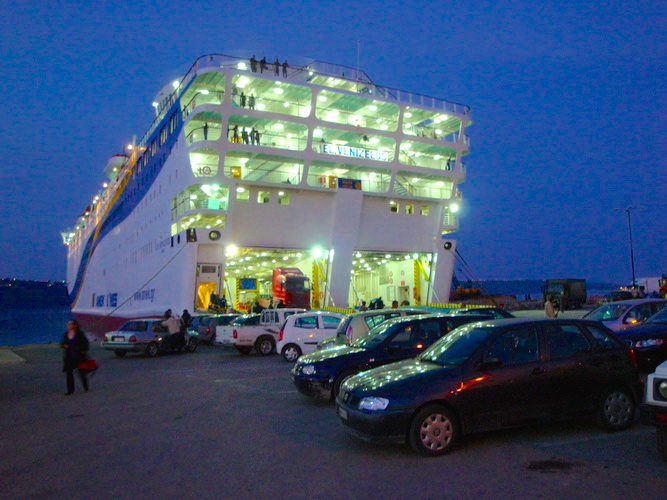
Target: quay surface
{"x": 217, "y": 424}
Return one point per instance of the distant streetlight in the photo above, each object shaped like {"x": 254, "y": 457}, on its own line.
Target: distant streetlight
{"x": 632, "y": 254}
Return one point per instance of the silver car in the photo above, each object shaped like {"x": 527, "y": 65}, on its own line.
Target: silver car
{"x": 623, "y": 314}
{"x": 146, "y": 335}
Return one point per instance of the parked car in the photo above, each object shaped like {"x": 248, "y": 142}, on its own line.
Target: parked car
{"x": 649, "y": 341}
{"x": 495, "y": 374}
{"x": 357, "y": 325}
{"x": 656, "y": 404}
{"x": 206, "y": 325}
{"x": 625, "y": 313}
{"x": 261, "y": 336}
{"x": 321, "y": 374}
{"x": 146, "y": 335}
{"x": 300, "y": 333}
{"x": 494, "y": 312}
{"x": 224, "y": 334}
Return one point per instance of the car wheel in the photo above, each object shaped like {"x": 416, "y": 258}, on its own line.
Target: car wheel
{"x": 662, "y": 442}
{"x": 120, "y": 354}
{"x": 152, "y": 350}
{"x": 434, "y": 431}
{"x": 244, "y": 349}
{"x": 339, "y": 381}
{"x": 291, "y": 352}
{"x": 616, "y": 410}
{"x": 191, "y": 346}
{"x": 264, "y": 346}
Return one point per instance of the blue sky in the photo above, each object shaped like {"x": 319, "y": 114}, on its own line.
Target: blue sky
{"x": 568, "y": 102}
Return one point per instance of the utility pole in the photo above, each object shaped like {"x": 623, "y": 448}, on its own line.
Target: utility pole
{"x": 632, "y": 253}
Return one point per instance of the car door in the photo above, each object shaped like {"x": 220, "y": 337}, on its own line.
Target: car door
{"x": 508, "y": 386}
{"x": 306, "y": 330}
{"x": 412, "y": 338}
{"x": 576, "y": 371}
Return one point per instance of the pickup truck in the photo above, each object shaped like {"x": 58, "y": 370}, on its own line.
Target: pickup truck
{"x": 656, "y": 404}
{"x": 261, "y": 337}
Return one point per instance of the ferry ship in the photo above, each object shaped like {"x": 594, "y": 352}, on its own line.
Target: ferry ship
{"x": 249, "y": 167}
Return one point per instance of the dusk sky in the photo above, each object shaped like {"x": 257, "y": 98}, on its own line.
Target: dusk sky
{"x": 568, "y": 101}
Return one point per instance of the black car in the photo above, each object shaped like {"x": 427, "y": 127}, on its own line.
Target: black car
{"x": 495, "y": 374}
{"x": 321, "y": 374}
{"x": 649, "y": 340}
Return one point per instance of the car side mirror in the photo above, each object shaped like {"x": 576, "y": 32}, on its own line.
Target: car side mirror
{"x": 490, "y": 362}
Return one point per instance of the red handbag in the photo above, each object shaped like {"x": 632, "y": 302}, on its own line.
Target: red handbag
{"x": 89, "y": 364}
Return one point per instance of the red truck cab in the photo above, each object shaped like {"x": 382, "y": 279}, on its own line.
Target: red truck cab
{"x": 291, "y": 287}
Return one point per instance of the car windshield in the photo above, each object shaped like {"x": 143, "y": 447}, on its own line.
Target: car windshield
{"x": 456, "y": 347}
{"x": 659, "y": 318}
{"x": 242, "y": 320}
{"x": 376, "y": 336}
{"x": 607, "y": 312}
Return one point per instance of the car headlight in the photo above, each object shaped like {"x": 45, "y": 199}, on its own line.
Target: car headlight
{"x": 649, "y": 343}
{"x": 308, "y": 370}
{"x": 373, "y": 403}
{"x": 662, "y": 389}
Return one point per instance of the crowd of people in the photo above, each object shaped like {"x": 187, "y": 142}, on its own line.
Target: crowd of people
{"x": 262, "y": 65}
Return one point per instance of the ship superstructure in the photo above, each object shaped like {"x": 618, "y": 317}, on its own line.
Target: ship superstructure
{"x": 247, "y": 168}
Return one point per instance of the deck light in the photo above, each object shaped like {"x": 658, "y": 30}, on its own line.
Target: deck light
{"x": 243, "y": 81}
{"x": 415, "y": 256}
{"x": 374, "y": 140}
{"x": 406, "y": 145}
{"x": 298, "y": 255}
{"x": 130, "y": 147}
{"x": 281, "y": 193}
{"x": 286, "y": 104}
{"x": 384, "y": 126}
{"x": 310, "y": 73}
{"x": 317, "y": 252}
{"x": 219, "y": 221}
{"x": 105, "y": 185}
{"x": 208, "y": 227}
{"x": 176, "y": 83}
{"x": 454, "y": 207}
{"x": 285, "y": 257}
{"x": 445, "y": 117}
{"x": 278, "y": 126}
{"x": 408, "y": 115}
{"x": 191, "y": 220}
{"x": 373, "y": 107}
{"x": 243, "y": 161}
{"x": 241, "y": 65}
{"x": 438, "y": 131}
{"x": 437, "y": 157}
{"x": 277, "y": 90}
{"x": 317, "y": 132}
{"x": 231, "y": 250}
{"x": 358, "y": 255}
{"x": 387, "y": 256}
{"x": 261, "y": 106}
{"x": 155, "y": 104}
{"x": 414, "y": 180}
{"x": 204, "y": 92}
{"x": 240, "y": 189}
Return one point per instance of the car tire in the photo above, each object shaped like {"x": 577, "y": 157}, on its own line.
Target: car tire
{"x": 339, "y": 381}
{"x": 191, "y": 345}
{"x": 291, "y": 352}
{"x": 662, "y": 442}
{"x": 151, "y": 350}
{"x": 616, "y": 409}
{"x": 434, "y": 431}
{"x": 120, "y": 354}
{"x": 244, "y": 349}
{"x": 265, "y": 345}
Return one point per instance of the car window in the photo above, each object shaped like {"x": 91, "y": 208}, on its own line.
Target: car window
{"x": 639, "y": 313}
{"x": 330, "y": 321}
{"x": 306, "y": 322}
{"x": 456, "y": 348}
{"x": 565, "y": 340}
{"x": 134, "y": 326}
{"x": 608, "y": 312}
{"x": 374, "y": 320}
{"x": 428, "y": 330}
{"x": 515, "y": 346}
{"x": 658, "y": 306}
{"x": 602, "y": 338}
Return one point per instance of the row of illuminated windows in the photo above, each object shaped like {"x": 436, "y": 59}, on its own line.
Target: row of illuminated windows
{"x": 278, "y": 96}
{"x": 205, "y": 162}
{"x": 329, "y": 141}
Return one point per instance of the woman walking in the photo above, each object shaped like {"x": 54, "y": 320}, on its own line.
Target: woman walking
{"x": 75, "y": 344}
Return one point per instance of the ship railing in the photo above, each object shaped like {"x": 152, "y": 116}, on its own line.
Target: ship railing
{"x": 404, "y": 187}
{"x": 274, "y": 106}
{"x": 431, "y": 132}
{"x": 281, "y": 141}
{"x": 350, "y": 118}
{"x": 211, "y": 133}
{"x": 275, "y": 174}
{"x": 378, "y": 185}
{"x": 199, "y": 204}
{"x": 203, "y": 97}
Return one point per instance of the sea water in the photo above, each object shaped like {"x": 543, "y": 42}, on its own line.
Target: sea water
{"x": 32, "y": 326}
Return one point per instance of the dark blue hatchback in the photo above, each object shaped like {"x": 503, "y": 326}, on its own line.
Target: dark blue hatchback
{"x": 321, "y": 374}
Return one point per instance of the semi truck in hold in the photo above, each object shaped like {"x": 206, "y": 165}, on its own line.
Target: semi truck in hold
{"x": 291, "y": 287}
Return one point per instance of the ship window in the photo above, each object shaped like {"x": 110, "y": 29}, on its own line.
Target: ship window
{"x": 242, "y": 194}
{"x": 427, "y": 155}
{"x": 267, "y": 132}
{"x": 393, "y": 207}
{"x": 283, "y": 198}
{"x": 263, "y": 167}
{"x": 263, "y": 197}
{"x": 424, "y": 210}
{"x": 262, "y": 95}
{"x": 409, "y": 209}
{"x": 204, "y": 126}
{"x": 426, "y": 186}
{"x": 325, "y": 174}
{"x": 356, "y": 110}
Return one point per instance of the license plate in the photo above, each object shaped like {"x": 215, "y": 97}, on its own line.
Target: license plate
{"x": 342, "y": 413}
{"x": 118, "y": 339}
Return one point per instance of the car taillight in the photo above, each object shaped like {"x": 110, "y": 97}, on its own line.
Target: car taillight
{"x": 280, "y": 334}
{"x": 633, "y": 357}
{"x": 133, "y": 338}
{"x": 348, "y": 335}
{"x": 208, "y": 329}
{"x": 235, "y": 334}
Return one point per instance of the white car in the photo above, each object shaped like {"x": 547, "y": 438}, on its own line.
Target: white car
{"x": 656, "y": 404}
{"x": 300, "y": 333}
